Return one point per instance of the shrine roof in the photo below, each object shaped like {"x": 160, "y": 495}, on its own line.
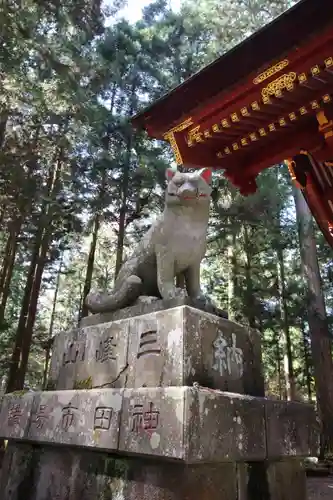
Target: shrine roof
{"x": 299, "y": 24}
{"x": 261, "y": 103}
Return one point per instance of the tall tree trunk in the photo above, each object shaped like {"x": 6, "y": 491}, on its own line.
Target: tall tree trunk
{"x": 32, "y": 312}
{"x": 83, "y": 312}
{"x": 8, "y": 264}
{"x": 257, "y": 486}
{"x": 232, "y": 276}
{"x": 22, "y": 207}
{"x": 122, "y": 214}
{"x": 4, "y": 115}
{"x": 32, "y": 287}
{"x": 6, "y": 260}
{"x": 278, "y": 362}
{"x": 48, "y": 344}
{"x": 3, "y": 212}
{"x": 16, "y": 355}
{"x": 250, "y": 301}
{"x": 307, "y": 363}
{"x": 290, "y": 376}
{"x": 321, "y": 344}
{"x": 125, "y": 188}
{"x": 90, "y": 265}
{"x": 120, "y": 240}
{"x": 2, "y": 215}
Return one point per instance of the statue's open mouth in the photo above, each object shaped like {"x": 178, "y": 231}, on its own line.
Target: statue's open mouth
{"x": 193, "y": 197}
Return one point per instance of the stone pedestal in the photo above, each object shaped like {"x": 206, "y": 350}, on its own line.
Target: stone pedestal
{"x": 172, "y": 347}
{"x": 159, "y": 406}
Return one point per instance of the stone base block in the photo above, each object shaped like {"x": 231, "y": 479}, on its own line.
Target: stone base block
{"x": 180, "y": 423}
{"x": 57, "y": 474}
{"x": 287, "y": 480}
{"x": 148, "y": 305}
{"x": 15, "y": 474}
{"x": 292, "y": 429}
{"x": 190, "y": 424}
{"x": 173, "y": 347}
{"x": 50, "y": 473}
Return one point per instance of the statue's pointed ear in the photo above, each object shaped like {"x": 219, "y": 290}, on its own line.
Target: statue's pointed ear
{"x": 169, "y": 173}
{"x": 206, "y": 174}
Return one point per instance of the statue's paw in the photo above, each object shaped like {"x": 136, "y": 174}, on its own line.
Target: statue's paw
{"x": 93, "y": 298}
{"x": 147, "y": 299}
{"x": 174, "y": 293}
{"x": 180, "y": 293}
{"x": 134, "y": 280}
{"x": 89, "y": 299}
{"x": 205, "y": 300}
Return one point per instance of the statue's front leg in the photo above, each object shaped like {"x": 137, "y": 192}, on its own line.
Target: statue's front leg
{"x": 166, "y": 276}
{"x": 180, "y": 281}
{"x": 192, "y": 277}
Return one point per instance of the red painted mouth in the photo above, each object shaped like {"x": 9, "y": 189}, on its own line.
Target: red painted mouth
{"x": 193, "y": 197}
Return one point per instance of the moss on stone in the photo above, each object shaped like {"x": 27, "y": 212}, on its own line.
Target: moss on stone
{"x": 83, "y": 384}
{"x": 51, "y": 385}
{"x": 115, "y": 467}
{"x": 18, "y": 393}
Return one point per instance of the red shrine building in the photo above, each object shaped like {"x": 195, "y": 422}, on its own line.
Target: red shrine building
{"x": 268, "y": 100}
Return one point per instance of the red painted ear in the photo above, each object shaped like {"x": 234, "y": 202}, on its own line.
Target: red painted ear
{"x": 169, "y": 173}
{"x": 206, "y": 174}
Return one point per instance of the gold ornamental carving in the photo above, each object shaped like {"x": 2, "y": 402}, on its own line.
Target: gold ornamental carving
{"x": 179, "y": 128}
{"x": 284, "y": 82}
{"x": 194, "y": 136}
{"x": 170, "y": 136}
{"x": 291, "y": 167}
{"x": 271, "y": 71}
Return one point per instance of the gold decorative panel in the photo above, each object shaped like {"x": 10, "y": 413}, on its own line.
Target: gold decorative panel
{"x": 271, "y": 71}
{"x": 284, "y": 82}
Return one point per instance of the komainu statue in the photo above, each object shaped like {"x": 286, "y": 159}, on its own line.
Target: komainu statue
{"x": 171, "y": 250}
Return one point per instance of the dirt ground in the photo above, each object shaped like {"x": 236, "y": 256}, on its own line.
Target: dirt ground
{"x": 320, "y": 488}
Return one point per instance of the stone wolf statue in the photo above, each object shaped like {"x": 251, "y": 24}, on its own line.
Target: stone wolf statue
{"x": 172, "y": 248}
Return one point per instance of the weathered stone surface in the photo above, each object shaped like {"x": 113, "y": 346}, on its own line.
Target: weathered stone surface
{"x": 106, "y": 356}
{"x": 188, "y": 424}
{"x": 148, "y": 357}
{"x": 68, "y": 354}
{"x": 15, "y": 415}
{"x": 287, "y": 479}
{"x": 175, "y": 347}
{"x": 148, "y": 307}
{"x": 228, "y": 353}
{"x": 292, "y": 429}
{"x": 242, "y": 481}
{"x": 52, "y": 473}
{"x": 224, "y": 427}
{"x": 15, "y": 474}
{"x": 79, "y": 418}
{"x": 154, "y": 422}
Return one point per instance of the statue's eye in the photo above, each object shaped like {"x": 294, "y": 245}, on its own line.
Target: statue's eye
{"x": 178, "y": 182}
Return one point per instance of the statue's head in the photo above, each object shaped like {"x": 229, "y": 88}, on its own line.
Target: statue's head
{"x": 187, "y": 188}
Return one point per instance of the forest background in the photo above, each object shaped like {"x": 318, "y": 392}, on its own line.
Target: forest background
{"x": 78, "y": 186}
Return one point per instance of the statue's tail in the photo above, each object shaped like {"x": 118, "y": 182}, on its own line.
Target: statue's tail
{"x": 122, "y": 296}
